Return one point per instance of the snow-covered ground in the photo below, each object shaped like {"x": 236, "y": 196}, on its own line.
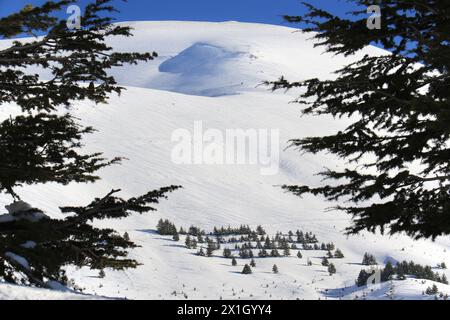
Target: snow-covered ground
{"x": 13, "y": 292}
{"x": 212, "y": 72}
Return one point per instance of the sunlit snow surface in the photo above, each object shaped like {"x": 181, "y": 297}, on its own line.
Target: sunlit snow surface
{"x": 213, "y": 72}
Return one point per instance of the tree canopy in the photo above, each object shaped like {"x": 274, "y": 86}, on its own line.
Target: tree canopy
{"x": 397, "y": 176}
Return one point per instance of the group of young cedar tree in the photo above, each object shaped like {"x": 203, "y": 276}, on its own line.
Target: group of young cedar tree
{"x": 165, "y": 227}
{"x": 246, "y": 234}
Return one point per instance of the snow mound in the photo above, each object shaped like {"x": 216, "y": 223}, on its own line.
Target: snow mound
{"x": 199, "y": 59}
{"x": 194, "y": 69}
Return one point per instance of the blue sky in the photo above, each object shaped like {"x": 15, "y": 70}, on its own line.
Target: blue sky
{"x": 261, "y": 11}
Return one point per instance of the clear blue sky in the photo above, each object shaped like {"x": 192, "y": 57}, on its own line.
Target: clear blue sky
{"x": 262, "y": 11}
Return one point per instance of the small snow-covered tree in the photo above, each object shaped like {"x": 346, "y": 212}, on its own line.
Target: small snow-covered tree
{"x": 247, "y": 269}
{"x": 275, "y": 268}
{"x": 369, "y": 260}
{"x": 338, "y": 254}
{"x": 433, "y": 290}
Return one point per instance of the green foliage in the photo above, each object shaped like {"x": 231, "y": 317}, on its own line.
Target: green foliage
{"x": 227, "y": 253}
{"x": 166, "y": 228}
{"x": 43, "y": 145}
{"x": 247, "y": 269}
{"x": 399, "y": 108}
{"x": 331, "y": 269}
{"x": 401, "y": 271}
{"x": 275, "y": 269}
{"x": 433, "y": 290}
{"x": 369, "y": 260}
{"x": 201, "y": 253}
{"x": 338, "y": 254}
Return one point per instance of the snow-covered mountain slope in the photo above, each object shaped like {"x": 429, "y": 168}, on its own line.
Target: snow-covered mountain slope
{"x": 211, "y": 72}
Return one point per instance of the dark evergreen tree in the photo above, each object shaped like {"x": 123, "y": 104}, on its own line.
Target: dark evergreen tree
{"x": 188, "y": 242}
{"x": 369, "y": 260}
{"x": 210, "y": 249}
{"x": 274, "y": 253}
{"x": 299, "y": 255}
{"x": 267, "y": 244}
{"x": 72, "y": 241}
{"x": 362, "y": 278}
{"x": 176, "y": 237}
{"x": 166, "y": 228}
{"x": 247, "y": 269}
{"x": 227, "y": 253}
{"x": 194, "y": 231}
{"x": 433, "y": 290}
{"x": 331, "y": 269}
{"x": 201, "y": 253}
{"x": 260, "y": 231}
{"x": 387, "y": 272}
{"x": 262, "y": 253}
{"x": 275, "y": 269}
{"x": 233, "y": 262}
{"x": 253, "y": 263}
{"x": 329, "y": 255}
{"x": 338, "y": 254}
{"x": 258, "y": 245}
{"x": 325, "y": 262}
{"x": 398, "y": 103}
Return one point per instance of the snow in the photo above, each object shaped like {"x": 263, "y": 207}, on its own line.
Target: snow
{"x": 21, "y": 210}
{"x": 409, "y": 289}
{"x": 13, "y": 292}
{"x": 212, "y": 72}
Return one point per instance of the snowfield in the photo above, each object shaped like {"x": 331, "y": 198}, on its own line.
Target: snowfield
{"x": 212, "y": 72}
